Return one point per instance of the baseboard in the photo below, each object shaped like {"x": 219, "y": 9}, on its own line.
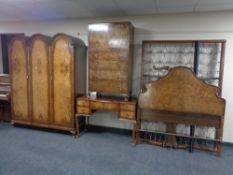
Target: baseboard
{"x": 96, "y": 128}
{"x": 228, "y": 144}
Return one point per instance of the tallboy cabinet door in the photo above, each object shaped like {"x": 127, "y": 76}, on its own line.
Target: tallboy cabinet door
{"x": 63, "y": 91}
{"x": 110, "y": 57}
{"x": 39, "y": 64}
{"x": 19, "y": 79}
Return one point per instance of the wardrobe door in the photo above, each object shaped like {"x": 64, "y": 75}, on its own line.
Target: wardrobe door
{"x": 19, "y": 80}
{"x": 39, "y": 79}
{"x": 62, "y": 84}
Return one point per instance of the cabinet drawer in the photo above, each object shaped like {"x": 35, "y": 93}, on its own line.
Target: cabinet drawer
{"x": 111, "y": 106}
{"x": 83, "y": 102}
{"x": 128, "y": 107}
{"x": 83, "y": 110}
{"x": 127, "y": 115}
{"x": 97, "y": 105}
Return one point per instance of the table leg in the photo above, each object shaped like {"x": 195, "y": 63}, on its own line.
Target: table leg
{"x": 77, "y": 126}
{"x": 191, "y": 142}
{"x": 1, "y": 113}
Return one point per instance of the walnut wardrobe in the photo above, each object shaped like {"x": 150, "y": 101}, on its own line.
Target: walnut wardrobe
{"x": 46, "y": 77}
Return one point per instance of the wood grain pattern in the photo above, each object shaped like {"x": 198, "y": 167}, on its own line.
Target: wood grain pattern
{"x": 56, "y": 76}
{"x": 127, "y": 115}
{"x": 5, "y": 92}
{"x": 180, "y": 97}
{"x": 110, "y": 57}
{"x": 83, "y": 110}
{"x": 128, "y": 106}
{"x": 62, "y": 59}
{"x": 19, "y": 79}
{"x": 126, "y": 109}
{"x": 85, "y": 107}
{"x": 39, "y": 64}
{"x": 83, "y": 103}
{"x": 181, "y": 91}
{"x": 5, "y": 79}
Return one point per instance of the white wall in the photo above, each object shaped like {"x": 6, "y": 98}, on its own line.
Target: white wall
{"x": 213, "y": 25}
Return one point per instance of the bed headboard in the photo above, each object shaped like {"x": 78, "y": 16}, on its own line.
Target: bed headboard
{"x": 181, "y": 91}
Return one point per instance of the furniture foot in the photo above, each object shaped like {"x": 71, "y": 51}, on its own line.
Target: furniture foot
{"x": 133, "y": 144}
{"x": 73, "y": 132}
{"x": 218, "y": 147}
{"x": 191, "y": 142}
{"x": 12, "y": 124}
{"x": 77, "y": 126}
{"x": 218, "y": 136}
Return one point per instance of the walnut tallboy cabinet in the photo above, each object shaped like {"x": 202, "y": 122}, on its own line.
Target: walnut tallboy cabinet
{"x": 46, "y": 77}
{"x": 110, "y": 55}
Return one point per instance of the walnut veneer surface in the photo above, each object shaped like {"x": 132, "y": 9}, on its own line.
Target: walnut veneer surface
{"x": 5, "y": 87}
{"x": 19, "y": 78}
{"x": 125, "y": 109}
{"x": 46, "y": 78}
{"x": 180, "y": 97}
{"x": 39, "y": 79}
{"x": 110, "y": 57}
{"x": 5, "y": 97}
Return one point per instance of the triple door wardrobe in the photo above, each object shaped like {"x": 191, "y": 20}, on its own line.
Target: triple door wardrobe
{"x": 46, "y": 77}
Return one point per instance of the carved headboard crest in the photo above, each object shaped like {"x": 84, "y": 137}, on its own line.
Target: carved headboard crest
{"x": 181, "y": 91}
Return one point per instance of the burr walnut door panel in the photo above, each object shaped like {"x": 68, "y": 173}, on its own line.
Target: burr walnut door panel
{"x": 109, "y": 57}
{"x": 62, "y": 65}
{"x": 19, "y": 79}
{"x": 39, "y": 63}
